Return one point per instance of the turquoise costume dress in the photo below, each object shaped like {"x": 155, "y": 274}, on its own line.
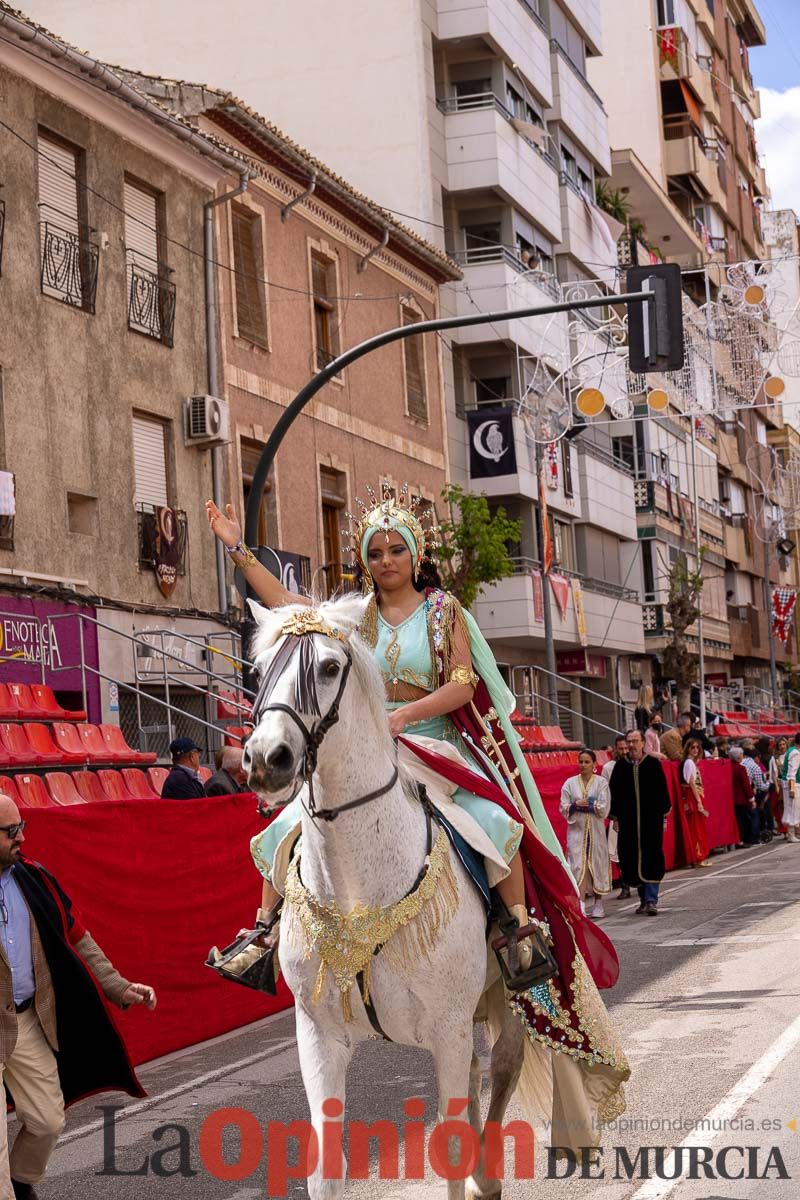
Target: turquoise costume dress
{"x": 404, "y": 655}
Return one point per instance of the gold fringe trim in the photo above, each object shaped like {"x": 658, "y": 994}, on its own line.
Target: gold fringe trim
{"x": 346, "y": 943}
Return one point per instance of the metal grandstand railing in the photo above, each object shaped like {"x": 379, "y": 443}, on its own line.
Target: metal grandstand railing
{"x": 176, "y": 694}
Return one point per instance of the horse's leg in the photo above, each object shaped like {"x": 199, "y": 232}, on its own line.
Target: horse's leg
{"x": 507, "y": 1055}
{"x": 452, "y": 1060}
{"x": 323, "y": 1066}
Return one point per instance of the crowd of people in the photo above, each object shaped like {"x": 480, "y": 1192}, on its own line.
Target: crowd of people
{"x": 630, "y": 792}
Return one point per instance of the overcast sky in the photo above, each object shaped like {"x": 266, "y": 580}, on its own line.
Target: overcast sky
{"x": 776, "y": 70}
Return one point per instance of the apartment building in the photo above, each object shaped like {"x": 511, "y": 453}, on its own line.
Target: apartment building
{"x": 685, "y": 165}
{"x": 477, "y": 126}
{"x": 108, "y": 431}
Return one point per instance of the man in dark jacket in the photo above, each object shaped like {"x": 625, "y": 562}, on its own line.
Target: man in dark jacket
{"x": 639, "y": 806}
{"x": 229, "y": 778}
{"x": 183, "y": 781}
{"x": 57, "y": 1042}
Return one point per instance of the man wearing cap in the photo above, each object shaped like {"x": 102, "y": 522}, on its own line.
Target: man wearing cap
{"x": 183, "y": 781}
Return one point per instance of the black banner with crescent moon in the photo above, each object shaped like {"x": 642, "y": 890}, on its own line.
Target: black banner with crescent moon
{"x": 491, "y": 442}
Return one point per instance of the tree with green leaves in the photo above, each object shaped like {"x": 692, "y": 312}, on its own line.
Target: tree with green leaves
{"x": 475, "y": 544}
{"x": 683, "y": 607}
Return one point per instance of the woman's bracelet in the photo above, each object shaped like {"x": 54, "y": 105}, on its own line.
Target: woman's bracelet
{"x": 248, "y": 558}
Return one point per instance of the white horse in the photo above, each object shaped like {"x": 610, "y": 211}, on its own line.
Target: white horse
{"x": 370, "y": 855}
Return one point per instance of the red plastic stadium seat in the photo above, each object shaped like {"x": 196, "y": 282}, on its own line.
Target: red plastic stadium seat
{"x": 32, "y": 791}
{"x": 113, "y": 785}
{"x": 115, "y": 742}
{"x": 68, "y": 740}
{"x": 96, "y": 746}
{"x": 17, "y": 747}
{"x": 9, "y": 788}
{"x": 157, "y": 776}
{"x": 46, "y": 702}
{"x": 89, "y": 787}
{"x": 62, "y": 789}
{"x": 22, "y": 698}
{"x": 138, "y": 784}
{"x": 42, "y": 742}
{"x": 231, "y": 706}
{"x": 8, "y": 704}
{"x": 236, "y": 734}
{"x": 205, "y": 774}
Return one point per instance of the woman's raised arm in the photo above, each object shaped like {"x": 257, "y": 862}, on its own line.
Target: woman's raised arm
{"x": 269, "y": 590}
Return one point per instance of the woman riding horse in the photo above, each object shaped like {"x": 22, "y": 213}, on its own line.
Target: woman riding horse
{"x": 449, "y": 709}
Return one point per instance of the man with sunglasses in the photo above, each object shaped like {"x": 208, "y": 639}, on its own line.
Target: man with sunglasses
{"x": 57, "y": 1042}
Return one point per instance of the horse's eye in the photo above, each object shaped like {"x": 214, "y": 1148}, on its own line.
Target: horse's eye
{"x": 331, "y": 669}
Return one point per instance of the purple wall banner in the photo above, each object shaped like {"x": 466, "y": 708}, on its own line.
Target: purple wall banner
{"x": 27, "y": 641}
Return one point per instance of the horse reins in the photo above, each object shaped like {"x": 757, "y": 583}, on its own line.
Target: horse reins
{"x": 312, "y": 736}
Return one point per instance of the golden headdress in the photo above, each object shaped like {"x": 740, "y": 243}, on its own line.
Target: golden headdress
{"x": 408, "y": 515}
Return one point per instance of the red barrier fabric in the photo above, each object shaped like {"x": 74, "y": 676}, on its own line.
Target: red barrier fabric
{"x": 157, "y": 884}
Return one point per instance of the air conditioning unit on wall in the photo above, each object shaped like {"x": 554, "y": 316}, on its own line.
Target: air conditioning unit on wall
{"x": 205, "y": 421}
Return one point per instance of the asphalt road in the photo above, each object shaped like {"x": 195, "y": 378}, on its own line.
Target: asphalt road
{"x": 707, "y": 1006}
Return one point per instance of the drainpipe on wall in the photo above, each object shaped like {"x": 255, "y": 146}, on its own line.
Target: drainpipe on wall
{"x": 213, "y": 334}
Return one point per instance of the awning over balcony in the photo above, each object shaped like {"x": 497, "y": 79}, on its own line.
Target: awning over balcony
{"x": 666, "y": 226}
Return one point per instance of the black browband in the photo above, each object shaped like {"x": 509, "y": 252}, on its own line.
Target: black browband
{"x": 313, "y": 739}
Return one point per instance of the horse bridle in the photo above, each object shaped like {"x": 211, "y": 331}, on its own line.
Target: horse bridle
{"x": 313, "y": 737}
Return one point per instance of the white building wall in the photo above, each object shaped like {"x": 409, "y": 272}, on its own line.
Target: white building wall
{"x": 627, "y": 78}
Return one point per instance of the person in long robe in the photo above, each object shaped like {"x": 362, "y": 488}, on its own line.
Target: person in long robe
{"x": 640, "y": 805}
{"x": 585, "y": 801}
{"x": 620, "y": 751}
{"x": 693, "y": 801}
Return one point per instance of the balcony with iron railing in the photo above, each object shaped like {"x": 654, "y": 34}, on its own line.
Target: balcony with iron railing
{"x": 69, "y": 266}
{"x": 508, "y": 610}
{"x": 480, "y": 255}
{"x": 151, "y": 299}
{"x": 480, "y": 102}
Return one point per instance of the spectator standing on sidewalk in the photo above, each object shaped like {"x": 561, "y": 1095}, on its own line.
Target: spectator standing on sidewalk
{"x": 639, "y": 806}
{"x": 672, "y": 740}
{"x": 758, "y": 778}
{"x": 790, "y": 781}
{"x": 744, "y": 801}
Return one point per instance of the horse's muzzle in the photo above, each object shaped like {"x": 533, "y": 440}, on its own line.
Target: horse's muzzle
{"x": 271, "y": 773}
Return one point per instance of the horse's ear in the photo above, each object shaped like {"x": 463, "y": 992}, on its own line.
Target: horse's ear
{"x": 260, "y": 614}
{"x": 347, "y": 612}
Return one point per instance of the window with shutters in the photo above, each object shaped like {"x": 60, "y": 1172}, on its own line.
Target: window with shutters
{"x": 333, "y": 496}
{"x": 414, "y": 359}
{"x": 69, "y": 261}
{"x": 150, "y": 461}
{"x": 151, "y": 293}
{"x": 326, "y": 323}
{"x": 268, "y": 511}
{"x": 248, "y": 266}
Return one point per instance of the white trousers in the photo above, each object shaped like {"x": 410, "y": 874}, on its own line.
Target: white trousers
{"x": 32, "y": 1079}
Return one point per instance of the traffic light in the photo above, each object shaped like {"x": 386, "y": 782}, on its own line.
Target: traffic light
{"x": 655, "y": 327}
